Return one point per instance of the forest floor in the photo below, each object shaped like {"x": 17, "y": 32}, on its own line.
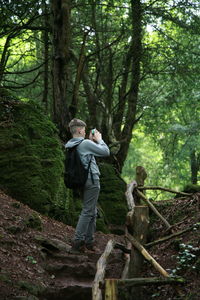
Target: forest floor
{"x": 35, "y": 262}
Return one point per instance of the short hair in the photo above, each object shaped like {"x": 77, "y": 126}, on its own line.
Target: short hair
{"x": 74, "y": 124}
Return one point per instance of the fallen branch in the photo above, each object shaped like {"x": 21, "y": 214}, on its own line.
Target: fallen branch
{"x": 162, "y": 189}
{"x": 153, "y": 208}
{"x": 149, "y": 281}
{"x": 147, "y": 256}
{"x": 101, "y": 266}
{"x": 166, "y": 238}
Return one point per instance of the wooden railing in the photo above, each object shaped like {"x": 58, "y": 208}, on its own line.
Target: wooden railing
{"x": 136, "y": 250}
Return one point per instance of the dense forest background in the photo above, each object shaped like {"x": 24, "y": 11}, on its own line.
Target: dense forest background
{"x": 129, "y": 68}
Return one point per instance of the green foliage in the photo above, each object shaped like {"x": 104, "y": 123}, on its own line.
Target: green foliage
{"x": 31, "y": 259}
{"x": 169, "y": 79}
{"x": 185, "y": 259}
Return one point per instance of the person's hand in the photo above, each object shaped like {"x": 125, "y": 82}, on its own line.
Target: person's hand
{"x": 96, "y": 136}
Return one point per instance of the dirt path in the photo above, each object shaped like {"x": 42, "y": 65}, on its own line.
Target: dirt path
{"x": 35, "y": 258}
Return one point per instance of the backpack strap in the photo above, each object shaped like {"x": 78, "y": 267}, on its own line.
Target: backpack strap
{"x": 91, "y": 171}
{"x": 88, "y": 163}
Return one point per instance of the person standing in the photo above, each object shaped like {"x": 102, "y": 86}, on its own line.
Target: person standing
{"x": 87, "y": 150}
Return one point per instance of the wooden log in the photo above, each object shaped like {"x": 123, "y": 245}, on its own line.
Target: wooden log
{"x": 111, "y": 292}
{"x": 166, "y": 238}
{"x": 147, "y": 256}
{"x": 149, "y": 281}
{"x": 101, "y": 267}
{"x": 129, "y": 195}
{"x": 154, "y": 209}
{"x": 163, "y": 189}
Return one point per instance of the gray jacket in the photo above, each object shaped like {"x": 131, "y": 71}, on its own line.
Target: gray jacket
{"x": 87, "y": 149}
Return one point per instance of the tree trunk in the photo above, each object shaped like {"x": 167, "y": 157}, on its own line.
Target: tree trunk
{"x": 61, "y": 57}
{"x": 4, "y": 57}
{"x": 46, "y": 58}
{"x": 130, "y": 117}
{"x": 195, "y": 166}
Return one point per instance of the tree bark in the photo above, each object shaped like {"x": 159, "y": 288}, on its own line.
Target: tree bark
{"x": 61, "y": 58}
{"x": 195, "y": 166}
{"x": 130, "y": 117}
{"x": 46, "y": 57}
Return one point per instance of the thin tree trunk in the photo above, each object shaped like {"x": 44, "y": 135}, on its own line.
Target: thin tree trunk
{"x": 46, "y": 58}
{"x": 195, "y": 166}
{"x": 4, "y": 57}
{"x": 130, "y": 117}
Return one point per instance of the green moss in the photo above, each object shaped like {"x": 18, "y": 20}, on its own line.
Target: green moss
{"x": 34, "y": 221}
{"x": 31, "y": 156}
{"x": 112, "y": 196}
{"x": 101, "y": 226}
{"x": 5, "y": 278}
{"x": 30, "y": 287}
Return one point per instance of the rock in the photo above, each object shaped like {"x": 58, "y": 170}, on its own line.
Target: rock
{"x": 52, "y": 244}
{"x": 31, "y": 155}
{"x": 112, "y": 197}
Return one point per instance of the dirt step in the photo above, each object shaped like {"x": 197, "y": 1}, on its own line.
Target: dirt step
{"x": 81, "y": 270}
{"x": 69, "y": 289}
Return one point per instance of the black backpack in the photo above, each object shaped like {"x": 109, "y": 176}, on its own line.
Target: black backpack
{"x": 75, "y": 175}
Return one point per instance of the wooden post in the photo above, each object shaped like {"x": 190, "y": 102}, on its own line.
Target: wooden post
{"x": 147, "y": 256}
{"x": 111, "y": 289}
{"x": 139, "y": 228}
{"x": 154, "y": 209}
{"x": 141, "y": 175}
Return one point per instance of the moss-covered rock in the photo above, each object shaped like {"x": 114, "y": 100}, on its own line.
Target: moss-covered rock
{"x": 34, "y": 221}
{"x": 112, "y": 196}
{"x": 31, "y": 156}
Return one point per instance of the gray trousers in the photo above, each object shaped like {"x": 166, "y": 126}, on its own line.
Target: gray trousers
{"x": 86, "y": 226}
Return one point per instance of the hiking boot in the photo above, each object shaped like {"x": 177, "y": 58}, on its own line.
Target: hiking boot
{"x": 77, "y": 247}
{"x": 92, "y": 247}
